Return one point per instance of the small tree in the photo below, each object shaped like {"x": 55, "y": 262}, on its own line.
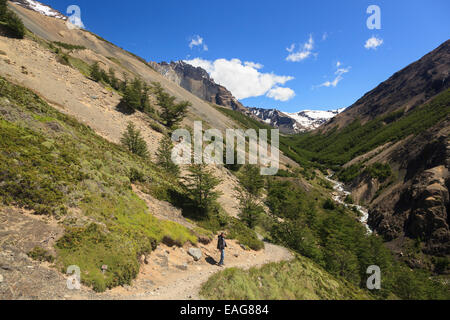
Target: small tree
{"x": 250, "y": 189}
{"x": 113, "y": 81}
{"x": 132, "y": 96}
{"x": 3, "y": 9}
{"x": 250, "y": 210}
{"x": 123, "y": 84}
{"x": 164, "y": 157}
{"x": 172, "y": 113}
{"x": 11, "y": 20}
{"x": 133, "y": 141}
{"x": 251, "y": 179}
{"x": 136, "y": 96}
{"x": 96, "y": 72}
{"x": 200, "y": 184}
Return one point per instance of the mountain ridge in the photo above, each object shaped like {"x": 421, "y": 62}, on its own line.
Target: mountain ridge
{"x": 197, "y": 81}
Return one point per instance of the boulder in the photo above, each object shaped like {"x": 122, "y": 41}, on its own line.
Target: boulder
{"x": 195, "y": 253}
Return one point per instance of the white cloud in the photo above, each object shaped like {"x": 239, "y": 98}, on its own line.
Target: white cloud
{"x": 324, "y": 36}
{"x": 339, "y": 76}
{"x": 281, "y": 94}
{"x": 245, "y": 80}
{"x": 373, "y": 43}
{"x": 303, "y": 53}
{"x": 253, "y": 65}
{"x": 198, "y": 41}
{"x": 338, "y": 64}
{"x": 291, "y": 48}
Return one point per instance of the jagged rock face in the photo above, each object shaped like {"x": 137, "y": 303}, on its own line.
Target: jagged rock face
{"x": 419, "y": 207}
{"x": 429, "y": 218}
{"x": 197, "y": 81}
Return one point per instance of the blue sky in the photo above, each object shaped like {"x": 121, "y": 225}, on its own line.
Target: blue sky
{"x": 244, "y": 44}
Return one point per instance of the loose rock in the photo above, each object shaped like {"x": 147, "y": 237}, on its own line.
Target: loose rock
{"x": 195, "y": 253}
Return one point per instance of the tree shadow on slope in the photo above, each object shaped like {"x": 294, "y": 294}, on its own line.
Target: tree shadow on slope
{"x": 124, "y": 108}
{"x": 188, "y": 207}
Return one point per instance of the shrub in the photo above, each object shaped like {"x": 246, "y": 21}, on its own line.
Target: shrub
{"x": 40, "y": 254}
{"x": 329, "y": 205}
{"x": 348, "y": 199}
{"x": 246, "y": 236}
{"x": 136, "y": 175}
{"x": 69, "y": 46}
{"x": 379, "y": 171}
{"x": 63, "y": 59}
{"x": 157, "y": 127}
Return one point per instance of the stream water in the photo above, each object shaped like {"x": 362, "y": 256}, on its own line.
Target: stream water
{"x": 339, "y": 196}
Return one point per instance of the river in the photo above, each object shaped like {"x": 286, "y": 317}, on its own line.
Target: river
{"x": 339, "y": 196}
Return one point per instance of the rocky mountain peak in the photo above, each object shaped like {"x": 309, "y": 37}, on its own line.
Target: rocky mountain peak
{"x": 197, "y": 81}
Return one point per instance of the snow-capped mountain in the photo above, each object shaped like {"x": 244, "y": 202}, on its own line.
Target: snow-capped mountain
{"x": 289, "y": 123}
{"x": 276, "y": 119}
{"x": 41, "y": 8}
{"x": 312, "y": 119}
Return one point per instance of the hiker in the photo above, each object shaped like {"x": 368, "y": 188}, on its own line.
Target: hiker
{"x": 221, "y": 245}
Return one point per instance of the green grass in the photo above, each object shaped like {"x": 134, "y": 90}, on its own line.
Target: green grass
{"x": 80, "y": 65}
{"x": 300, "y": 279}
{"x": 341, "y": 145}
{"x": 52, "y": 171}
{"x": 68, "y": 46}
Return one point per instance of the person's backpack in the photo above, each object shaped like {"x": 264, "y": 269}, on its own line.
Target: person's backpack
{"x": 221, "y": 243}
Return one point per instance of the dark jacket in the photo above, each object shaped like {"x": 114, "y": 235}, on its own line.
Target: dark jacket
{"x": 221, "y": 243}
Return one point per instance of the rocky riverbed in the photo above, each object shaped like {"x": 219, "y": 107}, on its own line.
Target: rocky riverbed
{"x": 340, "y": 194}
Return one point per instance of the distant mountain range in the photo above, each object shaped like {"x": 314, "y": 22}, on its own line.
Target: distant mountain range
{"x": 197, "y": 81}
{"x": 302, "y": 121}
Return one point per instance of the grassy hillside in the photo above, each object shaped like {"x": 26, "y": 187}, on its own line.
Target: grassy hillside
{"x": 55, "y": 166}
{"x": 341, "y": 145}
{"x": 52, "y": 164}
{"x": 300, "y": 279}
